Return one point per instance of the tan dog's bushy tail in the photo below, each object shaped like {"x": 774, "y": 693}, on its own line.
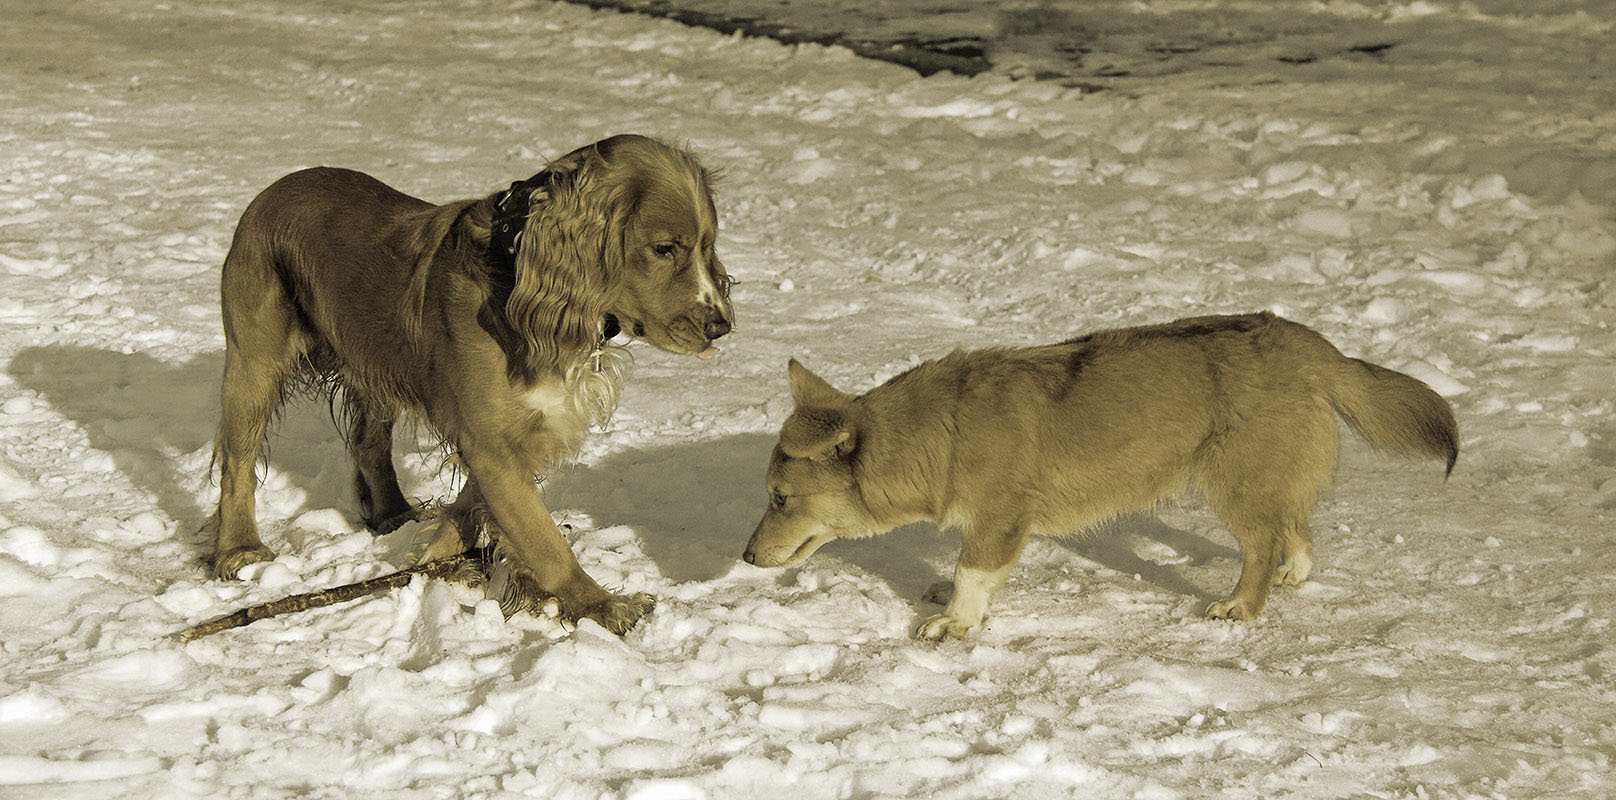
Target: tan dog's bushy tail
{"x": 1394, "y": 411}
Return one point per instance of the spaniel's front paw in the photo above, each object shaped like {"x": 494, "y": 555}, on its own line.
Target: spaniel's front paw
{"x": 620, "y": 612}
{"x": 229, "y": 563}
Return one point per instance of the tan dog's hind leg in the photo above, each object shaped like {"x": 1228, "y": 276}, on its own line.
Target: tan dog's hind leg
{"x": 529, "y": 539}
{"x": 1260, "y": 523}
{"x": 1262, "y": 484}
{"x": 985, "y": 561}
{"x": 1298, "y": 556}
{"x": 1258, "y": 546}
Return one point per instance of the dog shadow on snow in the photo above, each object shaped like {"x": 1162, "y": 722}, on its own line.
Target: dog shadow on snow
{"x": 156, "y": 420}
{"x": 695, "y": 505}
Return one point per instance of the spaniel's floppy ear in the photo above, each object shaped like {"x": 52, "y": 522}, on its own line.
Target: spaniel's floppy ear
{"x": 570, "y": 255}
{"x": 822, "y": 422}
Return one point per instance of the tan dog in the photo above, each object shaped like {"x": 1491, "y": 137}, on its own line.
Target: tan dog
{"x": 488, "y": 318}
{"x": 1051, "y": 440}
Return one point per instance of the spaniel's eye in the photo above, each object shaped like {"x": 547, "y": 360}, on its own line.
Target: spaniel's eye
{"x": 664, "y": 250}
{"x": 777, "y": 500}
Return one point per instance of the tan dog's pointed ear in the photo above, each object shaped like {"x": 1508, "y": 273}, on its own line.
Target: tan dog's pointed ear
{"x": 814, "y": 432}
{"x": 820, "y": 424}
{"x": 811, "y": 391}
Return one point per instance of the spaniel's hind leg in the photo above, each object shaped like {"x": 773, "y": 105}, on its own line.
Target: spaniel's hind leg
{"x": 264, "y": 347}
{"x": 382, "y": 504}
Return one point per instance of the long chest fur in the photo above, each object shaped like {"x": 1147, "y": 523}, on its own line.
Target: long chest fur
{"x": 563, "y": 409}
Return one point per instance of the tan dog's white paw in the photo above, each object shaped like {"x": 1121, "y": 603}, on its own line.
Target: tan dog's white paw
{"x": 1229, "y": 609}
{"x": 943, "y": 626}
{"x": 1292, "y": 573}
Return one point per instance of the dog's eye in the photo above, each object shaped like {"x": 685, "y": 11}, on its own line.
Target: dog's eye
{"x": 777, "y": 500}
{"x": 664, "y": 250}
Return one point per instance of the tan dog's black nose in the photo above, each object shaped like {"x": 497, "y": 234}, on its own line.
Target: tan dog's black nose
{"x": 749, "y": 556}
{"x": 716, "y": 328}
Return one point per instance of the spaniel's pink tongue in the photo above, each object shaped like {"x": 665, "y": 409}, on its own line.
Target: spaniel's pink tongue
{"x": 708, "y": 354}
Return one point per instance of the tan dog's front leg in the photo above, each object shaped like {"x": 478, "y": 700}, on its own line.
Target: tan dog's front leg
{"x": 985, "y": 561}
{"x": 529, "y": 539}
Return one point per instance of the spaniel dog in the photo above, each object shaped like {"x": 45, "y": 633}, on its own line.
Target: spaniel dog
{"x": 490, "y": 319}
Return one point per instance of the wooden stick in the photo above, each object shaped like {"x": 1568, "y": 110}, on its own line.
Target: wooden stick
{"x": 443, "y": 568}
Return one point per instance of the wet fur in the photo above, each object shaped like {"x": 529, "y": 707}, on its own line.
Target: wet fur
{"x": 1002, "y": 443}
{"x": 336, "y": 280}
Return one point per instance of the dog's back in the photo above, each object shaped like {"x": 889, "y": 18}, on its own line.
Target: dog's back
{"x": 351, "y": 255}
{"x": 1072, "y": 433}
{"x": 328, "y": 233}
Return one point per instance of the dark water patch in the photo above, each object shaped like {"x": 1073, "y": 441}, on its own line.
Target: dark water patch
{"x": 927, "y": 56}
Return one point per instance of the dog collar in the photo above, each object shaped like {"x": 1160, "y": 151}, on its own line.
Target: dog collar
{"x": 510, "y": 215}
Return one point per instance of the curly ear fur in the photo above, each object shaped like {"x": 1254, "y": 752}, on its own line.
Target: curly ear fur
{"x": 570, "y": 256}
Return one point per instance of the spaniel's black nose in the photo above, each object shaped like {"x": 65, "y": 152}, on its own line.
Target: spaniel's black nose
{"x": 716, "y": 328}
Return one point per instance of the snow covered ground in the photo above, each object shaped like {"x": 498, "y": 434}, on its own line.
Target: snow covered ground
{"x": 1444, "y": 208}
